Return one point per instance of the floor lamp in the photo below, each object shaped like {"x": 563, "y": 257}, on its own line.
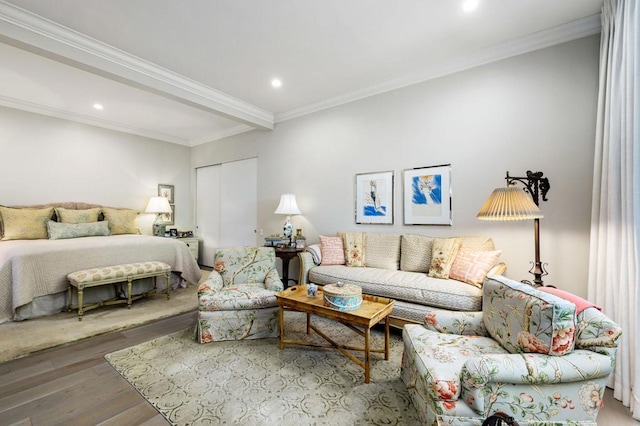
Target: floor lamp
{"x": 513, "y": 203}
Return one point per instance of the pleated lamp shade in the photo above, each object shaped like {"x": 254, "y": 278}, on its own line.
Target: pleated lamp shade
{"x": 510, "y": 203}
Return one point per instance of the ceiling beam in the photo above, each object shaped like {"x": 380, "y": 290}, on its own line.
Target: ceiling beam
{"x": 31, "y": 32}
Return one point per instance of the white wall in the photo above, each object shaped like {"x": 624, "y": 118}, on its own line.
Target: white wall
{"x": 51, "y": 160}
{"x": 531, "y": 112}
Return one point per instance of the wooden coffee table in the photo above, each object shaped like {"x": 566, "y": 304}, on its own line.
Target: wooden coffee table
{"x": 372, "y": 311}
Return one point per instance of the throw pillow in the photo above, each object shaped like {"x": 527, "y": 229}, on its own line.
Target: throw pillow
{"x": 415, "y": 253}
{"x": 59, "y": 231}
{"x": 382, "y": 251}
{"x": 121, "y": 221}
{"x": 524, "y": 319}
{"x": 479, "y": 243}
{"x": 472, "y": 266}
{"x": 77, "y": 216}
{"x": 354, "y": 248}
{"x": 332, "y": 250}
{"x": 443, "y": 253}
{"x": 25, "y": 224}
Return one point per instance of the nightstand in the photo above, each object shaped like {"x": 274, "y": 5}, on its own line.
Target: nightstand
{"x": 192, "y": 243}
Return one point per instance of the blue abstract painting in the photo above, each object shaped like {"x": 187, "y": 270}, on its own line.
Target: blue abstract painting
{"x": 427, "y": 189}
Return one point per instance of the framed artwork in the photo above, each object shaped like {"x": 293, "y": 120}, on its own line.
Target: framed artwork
{"x": 166, "y": 191}
{"x": 374, "y": 198}
{"x": 169, "y": 218}
{"x": 427, "y": 195}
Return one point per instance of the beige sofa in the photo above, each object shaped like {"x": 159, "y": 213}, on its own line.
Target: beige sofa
{"x": 397, "y": 266}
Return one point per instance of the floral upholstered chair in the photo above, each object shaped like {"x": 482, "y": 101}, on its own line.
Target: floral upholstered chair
{"x": 238, "y": 299}
{"x": 533, "y": 355}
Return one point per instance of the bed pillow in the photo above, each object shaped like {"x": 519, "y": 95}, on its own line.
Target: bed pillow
{"x": 472, "y": 266}
{"x": 77, "y": 216}
{"x": 25, "y": 223}
{"x": 443, "y": 253}
{"x": 332, "y": 250}
{"x": 121, "y": 221}
{"x": 59, "y": 231}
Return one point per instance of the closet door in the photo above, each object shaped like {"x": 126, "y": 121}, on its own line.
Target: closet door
{"x": 226, "y": 206}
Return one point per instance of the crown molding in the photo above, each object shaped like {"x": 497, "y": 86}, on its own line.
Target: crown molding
{"x": 236, "y": 130}
{"x": 85, "y": 119}
{"x": 571, "y": 31}
{"x": 33, "y": 32}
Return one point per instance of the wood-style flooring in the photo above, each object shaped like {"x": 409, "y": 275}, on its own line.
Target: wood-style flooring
{"x": 74, "y": 385}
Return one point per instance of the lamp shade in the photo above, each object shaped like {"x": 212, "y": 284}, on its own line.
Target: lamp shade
{"x": 510, "y": 203}
{"x": 158, "y": 205}
{"x": 288, "y": 205}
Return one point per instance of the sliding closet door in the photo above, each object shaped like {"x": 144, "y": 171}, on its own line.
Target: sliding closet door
{"x": 226, "y": 206}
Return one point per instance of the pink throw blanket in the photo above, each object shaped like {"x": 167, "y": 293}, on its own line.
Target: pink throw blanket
{"x": 580, "y": 303}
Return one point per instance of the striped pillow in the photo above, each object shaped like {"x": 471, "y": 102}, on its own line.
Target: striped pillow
{"x": 472, "y": 266}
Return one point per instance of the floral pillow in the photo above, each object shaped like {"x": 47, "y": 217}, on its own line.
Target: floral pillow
{"x": 60, "y": 231}
{"x": 443, "y": 253}
{"x": 354, "y": 248}
{"x": 524, "y": 319}
{"x": 332, "y": 250}
{"x": 472, "y": 266}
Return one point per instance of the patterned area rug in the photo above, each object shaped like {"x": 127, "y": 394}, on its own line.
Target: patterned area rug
{"x": 253, "y": 382}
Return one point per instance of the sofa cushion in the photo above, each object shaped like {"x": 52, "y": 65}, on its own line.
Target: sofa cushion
{"x": 25, "y": 223}
{"x": 77, "y": 216}
{"x": 382, "y": 250}
{"x": 404, "y": 286}
{"x": 332, "y": 250}
{"x": 524, "y": 319}
{"x": 472, "y": 266}
{"x": 440, "y": 358}
{"x": 415, "y": 253}
{"x": 443, "y": 253}
{"x": 354, "y": 248}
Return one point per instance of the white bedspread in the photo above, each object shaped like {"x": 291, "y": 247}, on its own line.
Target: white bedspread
{"x": 34, "y": 268}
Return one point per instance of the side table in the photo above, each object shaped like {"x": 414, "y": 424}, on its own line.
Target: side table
{"x": 286, "y": 254}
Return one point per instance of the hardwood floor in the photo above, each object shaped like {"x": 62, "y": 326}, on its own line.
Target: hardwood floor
{"x": 74, "y": 385}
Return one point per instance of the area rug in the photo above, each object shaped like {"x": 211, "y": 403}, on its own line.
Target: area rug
{"x": 253, "y": 382}
{"x": 22, "y": 338}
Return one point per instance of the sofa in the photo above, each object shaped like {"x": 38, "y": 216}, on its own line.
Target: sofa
{"x": 417, "y": 271}
{"x": 540, "y": 355}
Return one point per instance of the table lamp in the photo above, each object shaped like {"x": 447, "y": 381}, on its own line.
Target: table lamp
{"x": 159, "y": 206}
{"x": 288, "y": 206}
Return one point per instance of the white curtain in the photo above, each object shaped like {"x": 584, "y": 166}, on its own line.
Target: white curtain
{"x": 614, "y": 272}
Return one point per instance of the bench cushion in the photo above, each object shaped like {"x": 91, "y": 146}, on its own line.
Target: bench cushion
{"x": 123, "y": 271}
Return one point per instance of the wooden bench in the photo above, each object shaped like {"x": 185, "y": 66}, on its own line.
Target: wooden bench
{"x": 112, "y": 275}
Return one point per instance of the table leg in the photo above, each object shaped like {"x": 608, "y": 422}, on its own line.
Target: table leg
{"x": 367, "y": 360}
{"x": 386, "y": 338}
{"x": 281, "y": 323}
{"x": 285, "y": 271}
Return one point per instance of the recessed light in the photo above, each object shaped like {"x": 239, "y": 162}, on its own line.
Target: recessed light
{"x": 98, "y": 106}
{"x": 470, "y": 5}
{"x": 276, "y": 82}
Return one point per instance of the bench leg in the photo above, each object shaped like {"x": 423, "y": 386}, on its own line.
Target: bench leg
{"x": 168, "y": 275}
{"x": 80, "y": 297}
{"x": 69, "y": 298}
{"x": 129, "y": 279}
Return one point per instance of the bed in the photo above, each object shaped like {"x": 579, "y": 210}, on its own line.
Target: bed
{"x": 33, "y": 272}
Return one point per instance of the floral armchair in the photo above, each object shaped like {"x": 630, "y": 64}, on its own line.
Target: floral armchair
{"x": 531, "y": 354}
{"x": 238, "y": 299}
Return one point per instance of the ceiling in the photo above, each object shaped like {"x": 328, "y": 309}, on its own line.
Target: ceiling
{"x": 193, "y": 71}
